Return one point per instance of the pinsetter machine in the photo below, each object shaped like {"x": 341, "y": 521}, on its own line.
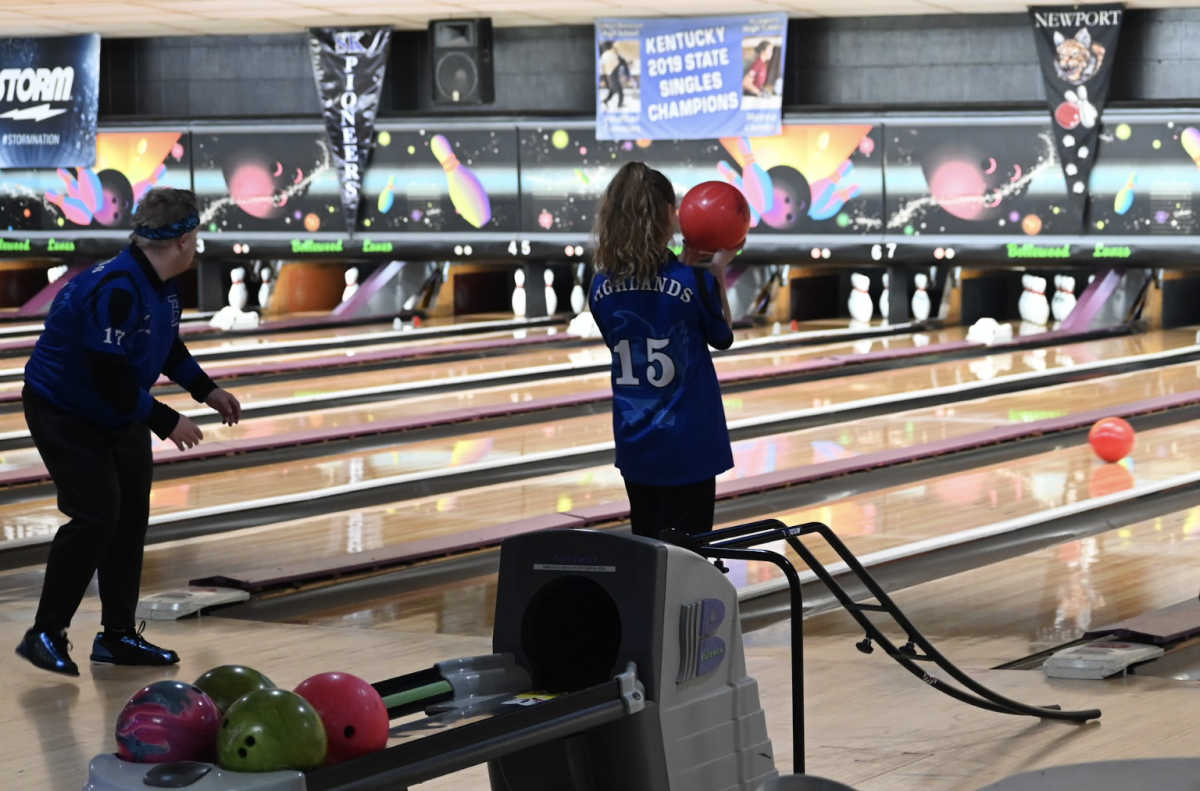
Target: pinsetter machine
{"x": 618, "y": 666}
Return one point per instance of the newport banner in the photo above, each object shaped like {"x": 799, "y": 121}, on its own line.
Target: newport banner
{"x": 690, "y": 79}
{"x": 49, "y": 97}
{"x": 349, "y": 64}
{"x": 1077, "y": 47}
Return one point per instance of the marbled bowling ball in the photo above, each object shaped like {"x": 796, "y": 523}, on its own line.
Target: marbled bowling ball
{"x": 793, "y": 199}
{"x": 168, "y": 721}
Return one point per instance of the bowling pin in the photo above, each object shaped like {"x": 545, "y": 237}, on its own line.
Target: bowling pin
{"x": 860, "y": 305}
{"x": 756, "y": 182}
{"x": 518, "y": 297}
{"x": 1056, "y": 300}
{"x": 266, "y": 289}
{"x": 578, "y": 300}
{"x": 777, "y": 328}
{"x": 1023, "y": 302}
{"x": 237, "y": 291}
{"x": 551, "y": 297}
{"x": 351, "y": 284}
{"x": 883, "y": 298}
{"x": 1067, "y": 302}
{"x": 466, "y": 193}
{"x": 920, "y": 298}
{"x": 1039, "y": 305}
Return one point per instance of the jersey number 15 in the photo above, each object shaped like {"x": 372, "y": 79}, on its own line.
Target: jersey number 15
{"x": 660, "y": 369}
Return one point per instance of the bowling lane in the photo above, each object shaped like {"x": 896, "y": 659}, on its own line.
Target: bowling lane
{"x": 882, "y": 519}
{"x": 481, "y": 450}
{"x": 303, "y": 391}
{"x": 1035, "y": 602}
{"x": 15, "y": 366}
{"x": 885, "y": 519}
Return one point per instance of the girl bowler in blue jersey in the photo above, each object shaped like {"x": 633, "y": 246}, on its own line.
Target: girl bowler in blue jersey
{"x": 658, "y": 315}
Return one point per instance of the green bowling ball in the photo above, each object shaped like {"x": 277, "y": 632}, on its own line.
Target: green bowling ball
{"x": 269, "y": 730}
{"x": 227, "y": 683}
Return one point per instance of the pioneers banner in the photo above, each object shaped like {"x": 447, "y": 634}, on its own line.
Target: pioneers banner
{"x": 1077, "y": 47}
{"x": 349, "y": 64}
{"x": 49, "y": 97}
{"x": 690, "y": 79}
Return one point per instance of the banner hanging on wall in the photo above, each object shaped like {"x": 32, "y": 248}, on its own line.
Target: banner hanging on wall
{"x": 49, "y": 97}
{"x": 349, "y": 64}
{"x": 1077, "y": 47}
{"x": 690, "y": 79}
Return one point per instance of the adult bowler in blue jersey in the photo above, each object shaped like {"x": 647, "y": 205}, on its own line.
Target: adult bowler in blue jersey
{"x": 111, "y": 332}
{"x": 659, "y": 316}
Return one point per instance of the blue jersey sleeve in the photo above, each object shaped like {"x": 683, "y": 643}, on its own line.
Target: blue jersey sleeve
{"x": 111, "y": 315}
{"x": 717, "y": 332}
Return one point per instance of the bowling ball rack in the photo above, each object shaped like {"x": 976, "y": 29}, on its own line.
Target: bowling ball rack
{"x": 739, "y": 542}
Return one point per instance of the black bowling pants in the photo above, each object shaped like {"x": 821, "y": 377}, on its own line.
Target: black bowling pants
{"x": 687, "y": 508}
{"x": 103, "y": 479}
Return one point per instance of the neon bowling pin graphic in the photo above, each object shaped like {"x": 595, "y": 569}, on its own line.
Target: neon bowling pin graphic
{"x": 1191, "y": 143}
{"x": 1124, "y": 198}
{"x": 466, "y": 193}
{"x": 729, "y": 174}
{"x": 756, "y": 182}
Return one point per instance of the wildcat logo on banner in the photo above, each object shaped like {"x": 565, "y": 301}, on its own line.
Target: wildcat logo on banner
{"x": 349, "y": 65}
{"x": 690, "y": 79}
{"x": 1077, "y": 46}
{"x": 49, "y": 97}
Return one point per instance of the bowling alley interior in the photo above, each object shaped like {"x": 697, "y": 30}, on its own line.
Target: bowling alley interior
{"x": 958, "y": 546}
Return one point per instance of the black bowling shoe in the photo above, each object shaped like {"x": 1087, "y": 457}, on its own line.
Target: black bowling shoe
{"x": 48, "y": 650}
{"x": 130, "y": 648}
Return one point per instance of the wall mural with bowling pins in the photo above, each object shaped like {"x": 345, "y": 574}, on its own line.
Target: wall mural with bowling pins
{"x": 250, "y": 181}
{"x": 441, "y": 180}
{"x": 812, "y": 179}
{"x": 127, "y": 165}
{"x": 999, "y": 179}
{"x": 1145, "y": 177}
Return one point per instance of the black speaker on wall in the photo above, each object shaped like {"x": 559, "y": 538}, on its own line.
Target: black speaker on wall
{"x": 462, "y": 61}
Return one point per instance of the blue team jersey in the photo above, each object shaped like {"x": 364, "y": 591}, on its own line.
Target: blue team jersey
{"x": 113, "y": 309}
{"x": 668, "y": 420}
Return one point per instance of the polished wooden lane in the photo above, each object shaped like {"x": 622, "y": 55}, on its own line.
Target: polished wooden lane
{"x": 443, "y": 373}
{"x": 885, "y": 519}
{"x": 1019, "y": 607}
{"x": 231, "y": 349}
{"x": 468, "y": 449}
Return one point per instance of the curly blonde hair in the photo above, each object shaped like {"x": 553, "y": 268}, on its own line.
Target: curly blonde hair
{"x": 634, "y": 224}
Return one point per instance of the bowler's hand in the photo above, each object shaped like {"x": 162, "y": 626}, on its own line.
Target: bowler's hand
{"x": 722, "y": 259}
{"x": 226, "y": 405}
{"x": 186, "y": 434}
{"x": 690, "y": 256}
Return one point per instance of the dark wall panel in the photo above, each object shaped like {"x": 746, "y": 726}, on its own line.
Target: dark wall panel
{"x": 951, "y": 59}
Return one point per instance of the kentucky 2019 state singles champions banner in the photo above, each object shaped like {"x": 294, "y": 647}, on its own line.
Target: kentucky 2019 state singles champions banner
{"x": 49, "y": 97}
{"x": 690, "y": 79}
{"x": 349, "y": 64}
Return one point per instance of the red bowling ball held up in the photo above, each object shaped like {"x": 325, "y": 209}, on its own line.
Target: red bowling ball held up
{"x": 354, "y": 715}
{"x": 714, "y": 216}
{"x": 1112, "y": 439}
